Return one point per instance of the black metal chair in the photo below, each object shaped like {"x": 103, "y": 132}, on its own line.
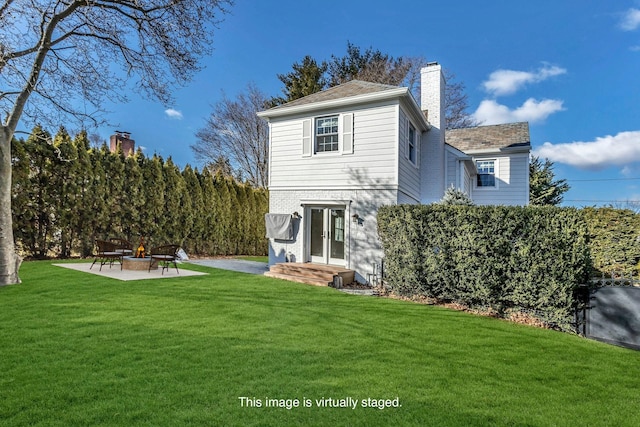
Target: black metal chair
{"x": 163, "y": 256}
{"x": 122, "y": 245}
{"x": 107, "y": 253}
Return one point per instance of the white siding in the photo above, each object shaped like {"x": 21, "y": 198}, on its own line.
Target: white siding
{"x": 373, "y": 162}
{"x": 408, "y": 173}
{"x": 512, "y": 179}
{"x": 467, "y": 185}
{"x": 452, "y": 173}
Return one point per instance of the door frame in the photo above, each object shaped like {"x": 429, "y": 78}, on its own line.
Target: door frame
{"x": 326, "y": 206}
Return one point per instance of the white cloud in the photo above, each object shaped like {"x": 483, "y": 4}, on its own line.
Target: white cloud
{"x": 619, "y": 150}
{"x": 489, "y": 112}
{"x": 630, "y": 20}
{"x": 507, "y": 82}
{"x": 173, "y": 114}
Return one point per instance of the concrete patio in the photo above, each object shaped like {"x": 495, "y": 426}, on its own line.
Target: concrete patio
{"x": 114, "y": 272}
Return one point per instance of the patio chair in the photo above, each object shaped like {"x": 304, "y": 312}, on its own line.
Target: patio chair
{"x": 107, "y": 253}
{"x": 164, "y": 256}
{"x": 122, "y": 245}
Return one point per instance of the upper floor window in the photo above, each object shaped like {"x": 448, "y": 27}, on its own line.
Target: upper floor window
{"x": 411, "y": 148}
{"x": 327, "y": 134}
{"x": 486, "y": 173}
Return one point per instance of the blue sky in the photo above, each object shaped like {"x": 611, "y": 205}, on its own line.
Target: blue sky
{"x": 571, "y": 68}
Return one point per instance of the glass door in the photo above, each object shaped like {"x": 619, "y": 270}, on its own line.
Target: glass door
{"x": 336, "y": 236}
{"x": 327, "y": 235}
{"x": 317, "y": 239}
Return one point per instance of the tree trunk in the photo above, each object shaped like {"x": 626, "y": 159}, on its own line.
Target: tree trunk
{"x": 9, "y": 260}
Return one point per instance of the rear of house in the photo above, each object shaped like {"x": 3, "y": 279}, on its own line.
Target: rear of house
{"x": 335, "y": 158}
{"x": 338, "y": 155}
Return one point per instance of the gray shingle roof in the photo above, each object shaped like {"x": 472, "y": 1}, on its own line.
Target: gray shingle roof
{"x": 496, "y": 137}
{"x": 345, "y": 90}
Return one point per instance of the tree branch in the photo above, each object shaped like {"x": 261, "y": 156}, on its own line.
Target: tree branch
{"x": 43, "y": 51}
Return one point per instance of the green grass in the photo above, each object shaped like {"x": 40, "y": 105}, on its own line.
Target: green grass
{"x": 78, "y": 349}
{"x": 264, "y": 259}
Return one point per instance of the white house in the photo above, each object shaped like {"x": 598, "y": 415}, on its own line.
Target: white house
{"x": 336, "y": 156}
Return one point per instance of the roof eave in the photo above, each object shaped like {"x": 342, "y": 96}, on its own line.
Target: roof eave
{"x": 518, "y": 149}
{"x": 333, "y": 103}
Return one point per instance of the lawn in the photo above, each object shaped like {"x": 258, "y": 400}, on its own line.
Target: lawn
{"x": 264, "y": 259}
{"x": 230, "y": 349}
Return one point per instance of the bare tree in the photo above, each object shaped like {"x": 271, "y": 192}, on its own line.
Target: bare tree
{"x": 61, "y": 58}
{"x": 456, "y": 104}
{"x": 234, "y": 131}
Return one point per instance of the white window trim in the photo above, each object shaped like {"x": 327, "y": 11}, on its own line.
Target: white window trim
{"x": 414, "y": 162}
{"x": 496, "y": 174}
{"x": 310, "y": 147}
{"x": 315, "y": 135}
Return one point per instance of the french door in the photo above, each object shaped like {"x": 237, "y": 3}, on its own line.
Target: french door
{"x": 327, "y": 235}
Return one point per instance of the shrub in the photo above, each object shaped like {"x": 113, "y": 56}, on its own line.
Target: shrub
{"x": 494, "y": 257}
{"x": 614, "y": 239}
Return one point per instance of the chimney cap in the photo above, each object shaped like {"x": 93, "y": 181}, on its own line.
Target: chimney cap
{"x": 432, "y": 64}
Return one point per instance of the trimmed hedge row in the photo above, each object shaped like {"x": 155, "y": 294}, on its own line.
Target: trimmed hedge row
{"x": 502, "y": 258}
{"x": 614, "y": 240}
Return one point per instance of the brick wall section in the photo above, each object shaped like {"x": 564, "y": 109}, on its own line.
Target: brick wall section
{"x": 127, "y": 145}
{"x": 362, "y": 245}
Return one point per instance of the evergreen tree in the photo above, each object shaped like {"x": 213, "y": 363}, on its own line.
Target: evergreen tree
{"x": 20, "y": 200}
{"x": 372, "y": 65}
{"x": 85, "y": 210}
{"x": 233, "y": 232}
{"x": 368, "y": 65}
{"x": 172, "y": 229}
{"x": 306, "y": 78}
{"x": 67, "y": 194}
{"x": 40, "y": 212}
{"x": 544, "y": 189}
{"x": 224, "y": 213}
{"x": 455, "y": 196}
{"x": 195, "y": 227}
{"x": 116, "y": 199}
{"x": 63, "y": 184}
{"x": 153, "y": 193}
{"x": 133, "y": 201}
{"x": 210, "y": 217}
{"x": 99, "y": 195}
{"x": 241, "y": 218}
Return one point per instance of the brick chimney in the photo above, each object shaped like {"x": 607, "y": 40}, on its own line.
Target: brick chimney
{"x": 432, "y": 87}
{"x": 123, "y": 140}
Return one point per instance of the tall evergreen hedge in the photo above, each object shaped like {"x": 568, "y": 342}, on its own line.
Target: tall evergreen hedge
{"x": 504, "y": 258}
{"x": 67, "y": 194}
{"x": 614, "y": 240}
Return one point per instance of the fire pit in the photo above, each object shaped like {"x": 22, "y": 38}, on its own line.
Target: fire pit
{"x": 138, "y": 264}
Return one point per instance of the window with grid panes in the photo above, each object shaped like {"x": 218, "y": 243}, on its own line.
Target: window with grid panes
{"x": 326, "y": 134}
{"x": 486, "y": 173}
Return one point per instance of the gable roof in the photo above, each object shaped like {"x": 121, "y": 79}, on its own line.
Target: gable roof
{"x": 347, "y": 95}
{"x": 345, "y": 90}
{"x": 490, "y": 138}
